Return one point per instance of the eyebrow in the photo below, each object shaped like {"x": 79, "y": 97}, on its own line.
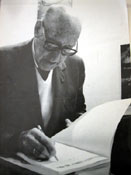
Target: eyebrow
{"x": 52, "y": 41}
{"x": 57, "y": 43}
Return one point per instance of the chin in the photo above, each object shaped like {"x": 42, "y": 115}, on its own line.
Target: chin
{"x": 47, "y": 68}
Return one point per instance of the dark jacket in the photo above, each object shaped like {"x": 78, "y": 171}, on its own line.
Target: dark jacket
{"x": 19, "y": 99}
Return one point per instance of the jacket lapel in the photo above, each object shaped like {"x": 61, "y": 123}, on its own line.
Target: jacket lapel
{"x": 26, "y": 106}
{"x": 58, "y": 80}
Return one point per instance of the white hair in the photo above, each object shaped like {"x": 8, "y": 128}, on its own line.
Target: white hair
{"x": 43, "y": 7}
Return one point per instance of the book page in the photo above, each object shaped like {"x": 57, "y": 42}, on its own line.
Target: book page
{"x": 94, "y": 131}
{"x": 69, "y": 159}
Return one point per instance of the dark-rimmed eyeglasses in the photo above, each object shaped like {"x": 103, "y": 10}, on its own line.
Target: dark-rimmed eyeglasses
{"x": 65, "y": 50}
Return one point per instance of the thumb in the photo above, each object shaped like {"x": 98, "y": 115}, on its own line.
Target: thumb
{"x": 68, "y": 122}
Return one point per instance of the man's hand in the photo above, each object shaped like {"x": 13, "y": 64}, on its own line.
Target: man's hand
{"x": 36, "y": 144}
{"x": 68, "y": 122}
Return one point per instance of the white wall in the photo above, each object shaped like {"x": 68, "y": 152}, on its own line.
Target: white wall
{"x": 129, "y": 18}
{"x": 17, "y": 20}
{"x": 105, "y": 28}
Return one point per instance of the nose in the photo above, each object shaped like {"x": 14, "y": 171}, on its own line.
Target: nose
{"x": 57, "y": 57}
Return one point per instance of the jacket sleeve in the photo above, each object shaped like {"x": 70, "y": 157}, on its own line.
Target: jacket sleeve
{"x": 8, "y": 141}
{"x": 8, "y": 135}
{"x": 80, "y": 104}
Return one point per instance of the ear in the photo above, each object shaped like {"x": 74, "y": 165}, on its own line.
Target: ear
{"x": 39, "y": 30}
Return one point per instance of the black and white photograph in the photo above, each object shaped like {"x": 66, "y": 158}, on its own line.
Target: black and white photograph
{"x": 65, "y": 87}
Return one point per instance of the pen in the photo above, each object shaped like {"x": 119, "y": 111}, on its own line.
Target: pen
{"x": 39, "y": 127}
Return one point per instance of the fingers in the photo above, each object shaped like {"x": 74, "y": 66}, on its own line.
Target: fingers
{"x": 36, "y": 144}
{"x": 68, "y": 122}
{"x": 35, "y": 148}
{"x": 44, "y": 140}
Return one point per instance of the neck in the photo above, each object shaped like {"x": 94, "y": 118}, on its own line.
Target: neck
{"x": 44, "y": 74}
{"x": 34, "y": 53}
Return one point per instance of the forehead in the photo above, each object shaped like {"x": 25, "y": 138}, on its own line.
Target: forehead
{"x": 61, "y": 27}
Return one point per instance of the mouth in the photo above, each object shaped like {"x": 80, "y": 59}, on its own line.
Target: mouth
{"x": 53, "y": 62}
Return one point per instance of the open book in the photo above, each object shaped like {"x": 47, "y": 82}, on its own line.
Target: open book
{"x": 85, "y": 144}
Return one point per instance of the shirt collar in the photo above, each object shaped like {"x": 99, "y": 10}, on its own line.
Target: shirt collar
{"x": 33, "y": 53}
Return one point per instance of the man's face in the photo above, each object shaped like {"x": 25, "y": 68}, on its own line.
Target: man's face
{"x": 51, "y": 51}
{"x": 55, "y": 41}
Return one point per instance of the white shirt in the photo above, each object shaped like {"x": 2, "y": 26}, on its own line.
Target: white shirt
{"x": 45, "y": 96}
{"x": 45, "y": 93}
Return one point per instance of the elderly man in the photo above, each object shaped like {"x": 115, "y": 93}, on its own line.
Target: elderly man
{"x": 41, "y": 84}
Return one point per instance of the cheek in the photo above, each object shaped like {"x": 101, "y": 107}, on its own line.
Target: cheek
{"x": 42, "y": 54}
{"x": 48, "y": 55}
{"x": 64, "y": 58}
